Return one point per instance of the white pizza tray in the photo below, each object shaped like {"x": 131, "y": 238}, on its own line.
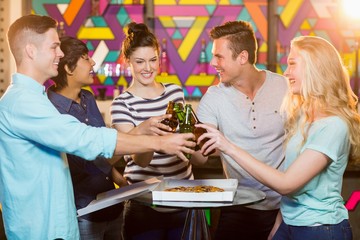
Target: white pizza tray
{"x": 229, "y": 186}
{"x": 116, "y": 196}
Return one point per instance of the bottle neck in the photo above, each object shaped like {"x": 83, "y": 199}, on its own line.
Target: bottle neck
{"x": 179, "y": 114}
{"x": 170, "y": 107}
{"x": 188, "y": 115}
{"x": 193, "y": 114}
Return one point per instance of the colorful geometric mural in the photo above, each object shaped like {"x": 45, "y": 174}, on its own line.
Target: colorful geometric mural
{"x": 184, "y": 24}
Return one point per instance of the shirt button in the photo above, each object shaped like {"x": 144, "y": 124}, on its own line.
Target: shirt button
{"x": 107, "y": 178}
{"x": 253, "y": 110}
{"x": 253, "y": 103}
{"x": 86, "y": 119}
{"x": 254, "y": 127}
{"x": 254, "y": 119}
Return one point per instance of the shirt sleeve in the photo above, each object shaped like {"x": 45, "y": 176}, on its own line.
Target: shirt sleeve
{"x": 44, "y": 125}
{"x": 331, "y": 139}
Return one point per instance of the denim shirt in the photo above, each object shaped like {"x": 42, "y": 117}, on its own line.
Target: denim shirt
{"x": 89, "y": 177}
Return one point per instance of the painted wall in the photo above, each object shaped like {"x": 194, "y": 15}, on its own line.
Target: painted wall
{"x": 184, "y": 23}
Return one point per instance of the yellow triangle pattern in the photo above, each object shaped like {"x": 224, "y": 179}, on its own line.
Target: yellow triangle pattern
{"x": 224, "y": 2}
{"x": 122, "y": 82}
{"x": 305, "y": 25}
{"x": 198, "y": 2}
{"x": 200, "y": 80}
{"x": 194, "y": 33}
{"x": 101, "y": 78}
{"x": 167, "y": 22}
{"x": 168, "y": 79}
{"x": 164, "y": 2}
{"x": 263, "y": 47}
{"x": 290, "y": 11}
{"x": 92, "y": 33}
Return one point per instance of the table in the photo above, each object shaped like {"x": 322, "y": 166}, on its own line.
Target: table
{"x": 195, "y": 224}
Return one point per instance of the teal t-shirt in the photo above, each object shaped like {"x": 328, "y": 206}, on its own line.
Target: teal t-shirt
{"x": 319, "y": 201}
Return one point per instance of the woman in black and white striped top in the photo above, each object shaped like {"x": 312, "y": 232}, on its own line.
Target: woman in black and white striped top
{"x": 128, "y": 111}
{"x": 139, "y": 110}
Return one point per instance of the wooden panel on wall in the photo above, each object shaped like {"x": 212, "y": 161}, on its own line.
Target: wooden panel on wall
{"x": 5, "y": 57}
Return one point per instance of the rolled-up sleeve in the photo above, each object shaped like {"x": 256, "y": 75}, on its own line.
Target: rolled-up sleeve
{"x": 61, "y": 132}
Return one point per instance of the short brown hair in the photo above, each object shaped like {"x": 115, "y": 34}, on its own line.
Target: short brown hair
{"x": 240, "y": 35}
{"x": 20, "y": 29}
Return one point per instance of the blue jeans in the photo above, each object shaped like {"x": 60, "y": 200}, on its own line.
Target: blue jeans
{"x": 109, "y": 230}
{"x": 340, "y": 231}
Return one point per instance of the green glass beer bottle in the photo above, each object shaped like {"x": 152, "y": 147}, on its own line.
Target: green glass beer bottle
{"x": 187, "y": 126}
{"x": 179, "y": 111}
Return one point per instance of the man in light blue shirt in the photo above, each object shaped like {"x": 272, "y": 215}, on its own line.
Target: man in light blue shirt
{"x": 35, "y": 186}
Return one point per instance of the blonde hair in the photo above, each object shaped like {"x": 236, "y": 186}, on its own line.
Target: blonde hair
{"x": 325, "y": 89}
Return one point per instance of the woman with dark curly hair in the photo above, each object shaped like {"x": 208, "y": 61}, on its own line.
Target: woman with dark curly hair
{"x": 89, "y": 177}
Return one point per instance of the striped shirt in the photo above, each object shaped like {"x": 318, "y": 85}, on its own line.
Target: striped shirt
{"x": 130, "y": 109}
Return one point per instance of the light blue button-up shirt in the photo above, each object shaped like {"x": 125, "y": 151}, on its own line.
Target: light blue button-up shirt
{"x": 35, "y": 184}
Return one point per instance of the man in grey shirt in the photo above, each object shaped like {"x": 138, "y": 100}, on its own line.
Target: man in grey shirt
{"x": 245, "y": 106}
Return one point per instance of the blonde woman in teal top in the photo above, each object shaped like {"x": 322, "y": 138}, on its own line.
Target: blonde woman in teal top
{"x": 322, "y": 133}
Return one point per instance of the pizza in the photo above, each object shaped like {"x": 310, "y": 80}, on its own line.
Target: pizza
{"x": 196, "y": 189}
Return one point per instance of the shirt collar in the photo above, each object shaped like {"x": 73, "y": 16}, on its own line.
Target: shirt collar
{"x": 62, "y": 101}
{"x": 28, "y": 83}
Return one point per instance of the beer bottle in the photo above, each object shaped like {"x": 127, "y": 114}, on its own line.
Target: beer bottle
{"x": 164, "y": 59}
{"x": 179, "y": 111}
{"x": 172, "y": 121}
{"x": 198, "y": 131}
{"x": 202, "y": 60}
{"x": 186, "y": 126}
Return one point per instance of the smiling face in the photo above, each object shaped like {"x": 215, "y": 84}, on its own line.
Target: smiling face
{"x": 46, "y": 54}
{"x": 223, "y": 61}
{"x": 294, "y": 71}
{"x": 83, "y": 73}
{"x": 144, "y": 64}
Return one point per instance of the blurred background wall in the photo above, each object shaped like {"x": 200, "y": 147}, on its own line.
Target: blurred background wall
{"x": 185, "y": 24}
{"x": 182, "y": 27}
